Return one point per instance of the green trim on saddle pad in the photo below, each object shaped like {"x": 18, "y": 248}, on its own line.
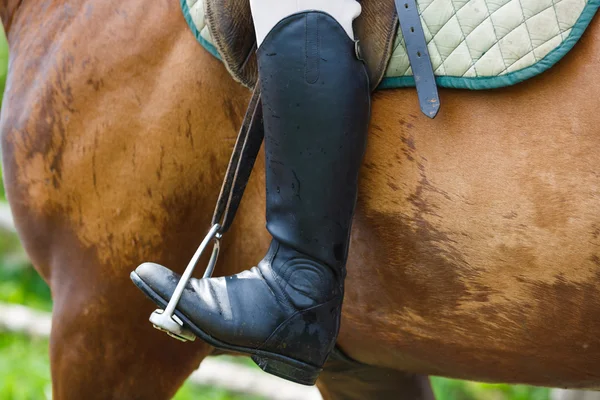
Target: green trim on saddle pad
{"x": 512, "y": 78}
{"x": 188, "y": 18}
{"x": 446, "y": 81}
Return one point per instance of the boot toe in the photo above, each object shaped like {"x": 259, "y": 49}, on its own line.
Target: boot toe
{"x": 159, "y": 278}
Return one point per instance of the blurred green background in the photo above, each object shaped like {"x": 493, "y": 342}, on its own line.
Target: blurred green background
{"x": 24, "y": 366}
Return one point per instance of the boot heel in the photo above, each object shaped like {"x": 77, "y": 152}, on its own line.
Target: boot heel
{"x": 294, "y": 371}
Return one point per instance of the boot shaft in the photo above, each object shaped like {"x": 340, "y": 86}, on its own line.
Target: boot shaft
{"x": 316, "y": 103}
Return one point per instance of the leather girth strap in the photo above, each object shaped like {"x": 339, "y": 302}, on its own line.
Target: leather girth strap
{"x": 230, "y": 25}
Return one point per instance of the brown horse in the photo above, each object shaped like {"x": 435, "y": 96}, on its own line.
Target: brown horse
{"x": 476, "y": 243}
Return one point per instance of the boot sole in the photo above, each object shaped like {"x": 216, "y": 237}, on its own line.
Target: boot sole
{"x": 272, "y": 363}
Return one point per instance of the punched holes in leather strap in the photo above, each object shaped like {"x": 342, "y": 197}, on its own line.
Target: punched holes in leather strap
{"x": 418, "y": 55}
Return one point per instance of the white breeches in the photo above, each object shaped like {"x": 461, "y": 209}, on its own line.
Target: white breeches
{"x": 267, "y": 13}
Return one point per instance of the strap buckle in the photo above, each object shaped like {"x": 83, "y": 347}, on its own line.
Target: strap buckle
{"x": 357, "y": 51}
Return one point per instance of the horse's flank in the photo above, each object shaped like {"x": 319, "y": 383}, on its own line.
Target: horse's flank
{"x": 475, "y": 244}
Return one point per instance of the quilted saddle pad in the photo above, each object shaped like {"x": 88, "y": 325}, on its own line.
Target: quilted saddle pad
{"x": 473, "y": 44}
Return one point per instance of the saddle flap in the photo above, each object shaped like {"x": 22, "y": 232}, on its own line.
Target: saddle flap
{"x": 376, "y": 29}
{"x": 231, "y": 27}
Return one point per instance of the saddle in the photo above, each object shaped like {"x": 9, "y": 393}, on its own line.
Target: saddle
{"x": 231, "y": 27}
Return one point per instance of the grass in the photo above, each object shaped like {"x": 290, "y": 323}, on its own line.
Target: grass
{"x": 2, "y": 192}
{"x": 452, "y": 389}
{"x": 24, "y": 368}
{"x": 191, "y": 392}
{"x": 21, "y": 284}
{"x": 3, "y": 61}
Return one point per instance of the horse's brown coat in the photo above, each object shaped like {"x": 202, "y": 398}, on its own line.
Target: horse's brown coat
{"x": 475, "y": 250}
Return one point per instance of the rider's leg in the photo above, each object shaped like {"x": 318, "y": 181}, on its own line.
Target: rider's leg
{"x": 316, "y": 103}
{"x": 267, "y": 13}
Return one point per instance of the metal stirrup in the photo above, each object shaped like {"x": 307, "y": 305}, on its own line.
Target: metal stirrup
{"x": 238, "y": 172}
{"x": 165, "y": 320}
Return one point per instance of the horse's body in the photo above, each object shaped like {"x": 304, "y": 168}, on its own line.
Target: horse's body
{"x": 475, "y": 250}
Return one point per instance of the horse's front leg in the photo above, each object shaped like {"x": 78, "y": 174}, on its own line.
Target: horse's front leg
{"x": 102, "y": 346}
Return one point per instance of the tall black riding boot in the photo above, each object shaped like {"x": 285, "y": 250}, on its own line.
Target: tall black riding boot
{"x": 285, "y": 312}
